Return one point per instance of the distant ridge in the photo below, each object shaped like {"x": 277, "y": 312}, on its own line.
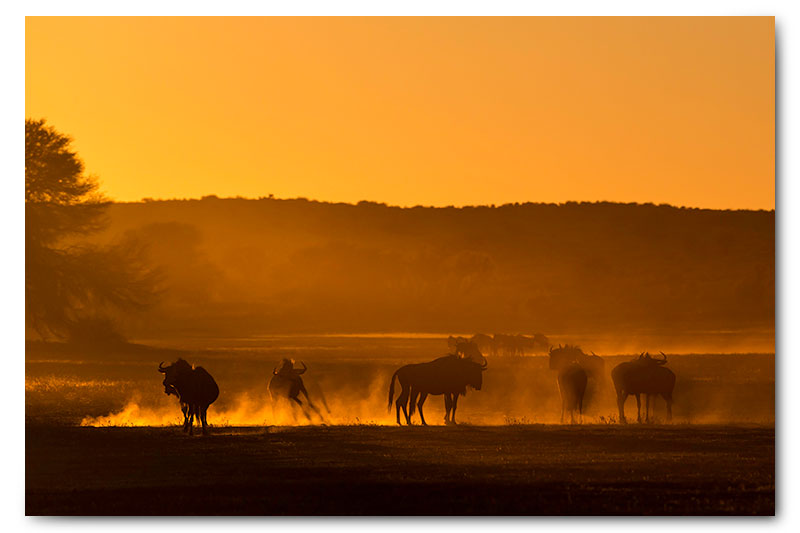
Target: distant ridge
{"x": 213, "y": 197}
{"x": 237, "y": 266}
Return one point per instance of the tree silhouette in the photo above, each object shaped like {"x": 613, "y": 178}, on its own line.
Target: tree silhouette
{"x": 67, "y": 279}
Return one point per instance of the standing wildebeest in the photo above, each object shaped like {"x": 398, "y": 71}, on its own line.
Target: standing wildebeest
{"x": 449, "y": 375}
{"x": 286, "y": 384}
{"x": 644, "y": 375}
{"x": 571, "y": 379}
{"x": 595, "y": 367}
{"x": 195, "y": 388}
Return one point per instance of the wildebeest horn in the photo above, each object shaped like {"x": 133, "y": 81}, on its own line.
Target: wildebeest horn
{"x": 304, "y": 368}
{"x": 161, "y": 367}
{"x": 485, "y": 365}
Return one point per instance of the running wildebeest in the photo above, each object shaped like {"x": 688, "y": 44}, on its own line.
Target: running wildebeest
{"x": 572, "y": 379}
{"x": 644, "y": 375}
{"x": 286, "y": 384}
{"x": 195, "y": 388}
{"x": 449, "y": 375}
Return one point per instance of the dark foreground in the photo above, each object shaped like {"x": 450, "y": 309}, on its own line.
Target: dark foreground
{"x": 370, "y": 470}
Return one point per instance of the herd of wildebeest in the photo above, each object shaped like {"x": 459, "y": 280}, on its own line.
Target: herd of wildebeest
{"x": 449, "y": 376}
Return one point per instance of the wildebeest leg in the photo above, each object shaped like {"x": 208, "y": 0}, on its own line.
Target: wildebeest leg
{"x": 412, "y": 404}
{"x": 185, "y": 411}
{"x": 318, "y": 394}
{"x": 310, "y": 403}
{"x": 455, "y": 404}
{"x": 402, "y": 401}
{"x": 422, "y": 398}
{"x": 639, "y": 408}
{"x": 286, "y": 404}
{"x": 621, "y": 397}
{"x": 203, "y": 421}
{"x": 647, "y": 407}
{"x": 192, "y": 408}
{"x": 299, "y": 402}
{"x": 448, "y": 406}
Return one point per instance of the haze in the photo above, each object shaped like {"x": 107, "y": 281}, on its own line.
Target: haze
{"x": 430, "y": 111}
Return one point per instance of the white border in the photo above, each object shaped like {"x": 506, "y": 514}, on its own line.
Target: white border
{"x": 12, "y": 401}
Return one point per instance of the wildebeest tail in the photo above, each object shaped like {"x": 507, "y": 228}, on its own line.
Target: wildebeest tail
{"x": 391, "y": 390}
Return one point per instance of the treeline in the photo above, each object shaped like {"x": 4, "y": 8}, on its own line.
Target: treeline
{"x": 241, "y": 267}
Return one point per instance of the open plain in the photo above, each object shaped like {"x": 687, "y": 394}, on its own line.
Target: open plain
{"x": 374, "y": 470}
{"x": 103, "y": 438}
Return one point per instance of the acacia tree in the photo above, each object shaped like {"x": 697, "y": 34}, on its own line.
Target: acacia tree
{"x": 68, "y": 279}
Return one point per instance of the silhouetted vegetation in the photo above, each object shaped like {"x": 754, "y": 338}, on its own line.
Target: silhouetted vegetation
{"x": 67, "y": 279}
{"x": 236, "y": 266}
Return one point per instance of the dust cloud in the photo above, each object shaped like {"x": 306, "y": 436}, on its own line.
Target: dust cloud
{"x": 710, "y": 389}
{"x": 255, "y": 408}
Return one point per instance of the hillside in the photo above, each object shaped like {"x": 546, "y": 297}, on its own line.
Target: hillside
{"x": 241, "y": 267}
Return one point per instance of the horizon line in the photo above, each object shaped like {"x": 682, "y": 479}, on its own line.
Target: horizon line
{"x": 214, "y": 197}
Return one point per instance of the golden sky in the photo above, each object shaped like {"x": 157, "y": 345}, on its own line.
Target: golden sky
{"x": 431, "y": 111}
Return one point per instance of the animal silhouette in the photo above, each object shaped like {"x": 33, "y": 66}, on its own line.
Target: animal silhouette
{"x": 195, "y": 388}
{"x": 643, "y": 375}
{"x": 287, "y": 385}
{"x": 572, "y": 379}
{"x": 449, "y": 375}
{"x": 505, "y": 345}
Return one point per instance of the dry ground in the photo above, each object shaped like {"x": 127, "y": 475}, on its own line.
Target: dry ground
{"x": 373, "y": 470}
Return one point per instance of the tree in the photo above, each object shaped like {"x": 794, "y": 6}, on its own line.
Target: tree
{"x": 66, "y": 278}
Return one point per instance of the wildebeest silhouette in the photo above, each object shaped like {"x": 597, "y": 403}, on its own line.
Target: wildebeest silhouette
{"x": 449, "y": 375}
{"x": 286, "y": 384}
{"x": 572, "y": 379}
{"x": 643, "y": 375}
{"x": 195, "y": 388}
{"x": 504, "y": 345}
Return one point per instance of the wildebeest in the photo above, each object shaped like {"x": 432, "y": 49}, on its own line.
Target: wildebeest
{"x": 286, "y": 384}
{"x": 449, "y": 375}
{"x": 572, "y": 379}
{"x": 195, "y": 388}
{"x": 644, "y": 375}
{"x": 501, "y": 344}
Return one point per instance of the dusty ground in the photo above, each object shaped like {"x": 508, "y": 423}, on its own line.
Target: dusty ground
{"x": 372, "y": 470}
{"x": 717, "y": 458}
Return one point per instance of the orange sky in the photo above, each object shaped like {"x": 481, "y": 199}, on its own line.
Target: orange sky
{"x": 432, "y": 111}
